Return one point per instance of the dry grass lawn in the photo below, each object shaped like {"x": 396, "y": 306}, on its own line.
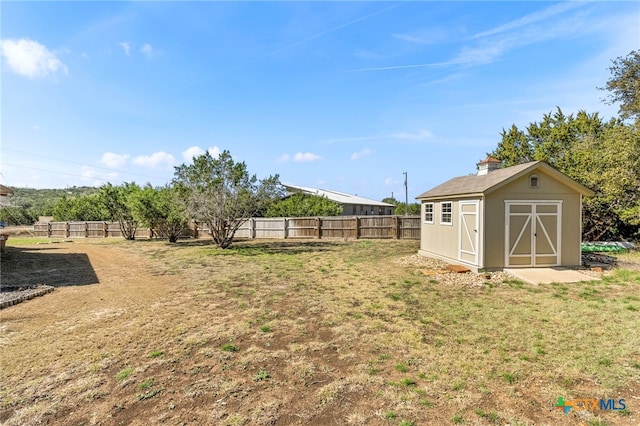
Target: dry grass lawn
{"x": 304, "y": 332}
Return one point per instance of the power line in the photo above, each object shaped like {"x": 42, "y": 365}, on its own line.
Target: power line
{"x": 74, "y": 162}
{"x": 64, "y": 173}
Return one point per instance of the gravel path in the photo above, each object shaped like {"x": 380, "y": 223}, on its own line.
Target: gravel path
{"x": 438, "y": 269}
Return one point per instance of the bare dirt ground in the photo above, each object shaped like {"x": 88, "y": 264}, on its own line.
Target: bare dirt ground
{"x": 130, "y": 336}
{"x": 95, "y": 284}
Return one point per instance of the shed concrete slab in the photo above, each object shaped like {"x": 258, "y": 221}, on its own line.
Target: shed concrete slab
{"x": 549, "y": 275}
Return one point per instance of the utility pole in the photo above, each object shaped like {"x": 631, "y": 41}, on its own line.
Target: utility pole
{"x": 406, "y": 196}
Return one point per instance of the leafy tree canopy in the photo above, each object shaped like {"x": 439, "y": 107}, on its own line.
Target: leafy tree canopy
{"x": 602, "y": 155}
{"x": 414, "y": 208}
{"x": 162, "y": 210}
{"x": 82, "y": 208}
{"x": 221, "y": 193}
{"x": 118, "y": 201}
{"x": 624, "y": 85}
{"x": 304, "y": 205}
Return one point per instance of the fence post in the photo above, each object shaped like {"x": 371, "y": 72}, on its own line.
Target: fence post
{"x": 49, "y": 230}
{"x": 252, "y": 228}
{"x": 284, "y": 227}
{"x": 357, "y": 227}
{"x": 318, "y": 227}
{"x": 396, "y": 225}
{"x": 66, "y": 231}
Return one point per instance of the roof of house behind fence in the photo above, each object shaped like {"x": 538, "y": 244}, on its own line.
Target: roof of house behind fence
{"x": 339, "y": 197}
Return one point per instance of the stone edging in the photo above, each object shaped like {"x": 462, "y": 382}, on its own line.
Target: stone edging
{"x": 20, "y": 295}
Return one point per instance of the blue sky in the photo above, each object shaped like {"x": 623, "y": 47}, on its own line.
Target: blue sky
{"x": 344, "y": 96}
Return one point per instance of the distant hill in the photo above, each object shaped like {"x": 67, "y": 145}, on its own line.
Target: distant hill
{"x": 27, "y": 204}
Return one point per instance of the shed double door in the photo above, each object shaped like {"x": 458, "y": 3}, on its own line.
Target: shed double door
{"x": 533, "y": 230}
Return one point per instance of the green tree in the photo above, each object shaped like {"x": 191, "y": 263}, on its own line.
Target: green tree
{"x": 612, "y": 168}
{"x": 221, "y": 193}
{"x": 15, "y": 215}
{"x": 514, "y": 148}
{"x": 118, "y": 201}
{"x": 602, "y": 155}
{"x": 624, "y": 85}
{"x": 161, "y": 210}
{"x": 390, "y": 200}
{"x": 82, "y": 208}
{"x": 304, "y": 205}
{"x": 414, "y": 208}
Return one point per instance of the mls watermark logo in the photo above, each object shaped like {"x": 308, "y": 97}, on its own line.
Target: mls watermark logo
{"x": 590, "y": 404}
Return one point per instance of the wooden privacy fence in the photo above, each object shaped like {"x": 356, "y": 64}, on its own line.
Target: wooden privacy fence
{"x": 334, "y": 227}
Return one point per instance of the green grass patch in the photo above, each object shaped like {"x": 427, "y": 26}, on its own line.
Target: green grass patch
{"x": 146, "y": 384}
{"x": 124, "y": 373}
{"x": 261, "y": 375}
{"x": 230, "y": 347}
{"x": 390, "y": 415}
{"x": 402, "y": 368}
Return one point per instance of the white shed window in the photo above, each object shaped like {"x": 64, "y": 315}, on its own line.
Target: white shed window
{"x": 428, "y": 212}
{"x": 446, "y": 213}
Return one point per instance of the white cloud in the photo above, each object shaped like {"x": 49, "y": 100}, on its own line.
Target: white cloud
{"x": 126, "y": 47}
{"x": 214, "y": 151}
{"x": 531, "y": 18}
{"x": 299, "y": 157}
{"x": 31, "y": 59}
{"x": 147, "y": 50}
{"x": 391, "y": 182}
{"x": 305, "y": 157}
{"x": 528, "y": 30}
{"x": 155, "y": 160}
{"x": 421, "y": 135}
{"x": 362, "y": 153}
{"x": 427, "y": 36}
{"x": 488, "y": 46}
{"x": 196, "y": 151}
{"x": 114, "y": 161}
{"x": 283, "y": 158}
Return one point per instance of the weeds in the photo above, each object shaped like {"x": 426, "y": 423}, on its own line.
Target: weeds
{"x": 146, "y": 384}
{"x": 230, "y": 347}
{"x": 124, "y": 373}
{"x": 402, "y": 368}
{"x": 457, "y": 419}
{"x": 261, "y": 375}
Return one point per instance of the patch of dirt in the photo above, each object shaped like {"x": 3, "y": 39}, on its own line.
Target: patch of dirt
{"x": 126, "y": 339}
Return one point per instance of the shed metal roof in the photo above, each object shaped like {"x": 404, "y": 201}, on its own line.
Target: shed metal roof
{"x": 485, "y": 184}
{"x": 339, "y": 197}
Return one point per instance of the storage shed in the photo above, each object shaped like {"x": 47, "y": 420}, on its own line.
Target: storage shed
{"x": 529, "y": 215}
